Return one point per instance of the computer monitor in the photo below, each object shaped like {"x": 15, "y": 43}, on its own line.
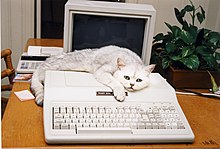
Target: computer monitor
{"x": 93, "y": 24}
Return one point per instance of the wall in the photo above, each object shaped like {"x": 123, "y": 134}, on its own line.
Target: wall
{"x": 213, "y": 18}
{"x": 165, "y": 12}
{"x": 17, "y": 25}
{"x": 17, "y": 18}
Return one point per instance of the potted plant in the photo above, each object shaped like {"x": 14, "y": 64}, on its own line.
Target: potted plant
{"x": 187, "y": 49}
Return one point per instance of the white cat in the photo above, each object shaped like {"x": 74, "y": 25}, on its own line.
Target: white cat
{"x": 119, "y": 68}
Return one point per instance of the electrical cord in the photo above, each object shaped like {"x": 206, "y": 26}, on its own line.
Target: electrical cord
{"x": 189, "y": 92}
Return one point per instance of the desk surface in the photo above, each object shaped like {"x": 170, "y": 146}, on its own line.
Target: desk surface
{"x": 22, "y": 123}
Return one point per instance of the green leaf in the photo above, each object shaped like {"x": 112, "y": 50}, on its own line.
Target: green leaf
{"x": 200, "y": 17}
{"x": 175, "y": 57}
{"x": 169, "y": 26}
{"x": 211, "y": 61}
{"x": 214, "y": 41}
{"x": 187, "y": 8}
{"x": 206, "y": 31}
{"x": 158, "y": 37}
{"x": 192, "y": 62}
{"x": 186, "y": 51}
{"x": 217, "y": 56}
{"x": 218, "y": 44}
{"x": 178, "y": 15}
{"x": 203, "y": 11}
{"x": 193, "y": 30}
{"x": 203, "y": 50}
{"x": 215, "y": 87}
{"x": 176, "y": 31}
{"x": 186, "y": 37}
{"x": 170, "y": 47}
{"x": 200, "y": 37}
{"x": 167, "y": 38}
{"x": 166, "y": 63}
{"x": 214, "y": 37}
{"x": 180, "y": 43}
{"x": 185, "y": 26}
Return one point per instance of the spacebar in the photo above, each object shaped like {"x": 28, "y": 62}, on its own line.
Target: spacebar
{"x": 124, "y": 130}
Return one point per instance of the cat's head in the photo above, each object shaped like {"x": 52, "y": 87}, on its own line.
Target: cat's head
{"x": 133, "y": 76}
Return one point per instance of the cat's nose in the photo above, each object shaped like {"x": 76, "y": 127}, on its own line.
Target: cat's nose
{"x": 131, "y": 84}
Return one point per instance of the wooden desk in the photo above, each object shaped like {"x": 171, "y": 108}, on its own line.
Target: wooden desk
{"x": 22, "y": 124}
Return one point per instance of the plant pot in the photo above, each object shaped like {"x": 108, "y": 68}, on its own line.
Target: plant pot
{"x": 189, "y": 79}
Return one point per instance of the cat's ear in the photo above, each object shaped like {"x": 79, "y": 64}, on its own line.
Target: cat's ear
{"x": 120, "y": 63}
{"x": 150, "y": 68}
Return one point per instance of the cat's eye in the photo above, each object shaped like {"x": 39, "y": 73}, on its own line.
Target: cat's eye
{"x": 138, "y": 80}
{"x": 127, "y": 77}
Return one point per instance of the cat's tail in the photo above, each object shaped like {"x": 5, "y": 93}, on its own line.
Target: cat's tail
{"x": 37, "y": 87}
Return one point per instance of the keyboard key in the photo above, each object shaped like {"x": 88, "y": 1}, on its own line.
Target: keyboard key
{"x": 93, "y": 125}
{"x": 68, "y": 121}
{"x": 174, "y": 125}
{"x": 148, "y": 126}
{"x": 99, "y": 125}
{"x": 63, "y": 110}
{"x": 56, "y": 126}
{"x": 161, "y": 126}
{"x": 181, "y": 126}
{"x": 168, "y": 125}
{"x": 66, "y": 116}
{"x": 133, "y": 125}
{"x": 141, "y": 126}
{"x": 56, "y": 110}
{"x": 113, "y": 125}
{"x": 59, "y": 120}
{"x": 72, "y": 126}
{"x": 57, "y": 115}
{"x": 120, "y": 125}
{"x": 86, "y": 125}
{"x": 155, "y": 125}
{"x": 104, "y": 130}
{"x": 106, "y": 125}
{"x": 64, "y": 126}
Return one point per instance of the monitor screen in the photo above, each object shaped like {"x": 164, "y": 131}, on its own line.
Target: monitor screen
{"x": 94, "y": 31}
{"x": 94, "y": 24}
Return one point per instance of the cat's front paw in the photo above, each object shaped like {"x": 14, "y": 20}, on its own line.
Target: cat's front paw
{"x": 119, "y": 93}
{"x": 39, "y": 100}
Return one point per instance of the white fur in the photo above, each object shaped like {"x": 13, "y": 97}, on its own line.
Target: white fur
{"x": 109, "y": 65}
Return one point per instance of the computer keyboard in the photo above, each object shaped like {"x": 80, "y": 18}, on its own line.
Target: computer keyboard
{"x": 132, "y": 119}
{"x": 104, "y": 118}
